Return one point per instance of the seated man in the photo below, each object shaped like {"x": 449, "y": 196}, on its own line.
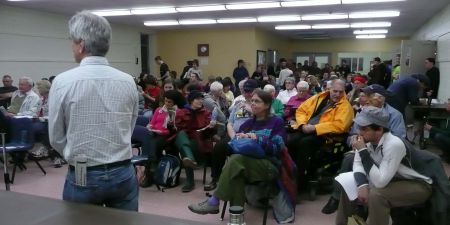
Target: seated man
{"x": 6, "y": 91}
{"x": 24, "y": 102}
{"x": 382, "y": 181}
{"x": 441, "y": 137}
{"x": 374, "y": 96}
{"x": 319, "y": 119}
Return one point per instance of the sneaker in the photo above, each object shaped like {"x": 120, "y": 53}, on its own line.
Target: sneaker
{"x": 204, "y": 208}
{"x": 331, "y": 206}
{"x": 42, "y": 152}
{"x": 187, "y": 162}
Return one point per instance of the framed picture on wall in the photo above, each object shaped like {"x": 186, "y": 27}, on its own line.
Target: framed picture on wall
{"x": 260, "y": 57}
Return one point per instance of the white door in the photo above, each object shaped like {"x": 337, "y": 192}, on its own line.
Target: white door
{"x": 413, "y": 55}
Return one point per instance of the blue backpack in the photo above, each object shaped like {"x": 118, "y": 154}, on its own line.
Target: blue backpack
{"x": 167, "y": 175}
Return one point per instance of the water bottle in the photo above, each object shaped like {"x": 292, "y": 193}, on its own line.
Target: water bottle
{"x": 426, "y": 133}
{"x": 23, "y": 137}
{"x": 236, "y": 215}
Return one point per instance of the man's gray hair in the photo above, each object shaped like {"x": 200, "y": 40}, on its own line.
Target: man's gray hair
{"x": 302, "y": 84}
{"x": 216, "y": 86}
{"x": 94, "y": 30}
{"x": 269, "y": 88}
{"x": 338, "y": 81}
{"x": 291, "y": 79}
{"x": 28, "y": 79}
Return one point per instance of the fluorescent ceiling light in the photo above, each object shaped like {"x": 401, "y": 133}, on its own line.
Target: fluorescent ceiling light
{"x": 310, "y": 3}
{"x": 331, "y": 26}
{"x": 370, "y": 32}
{"x": 17, "y": 0}
{"x": 370, "y": 36}
{"x": 237, "y": 20}
{"x": 155, "y": 10}
{"x": 113, "y": 12}
{"x": 201, "y": 8}
{"x": 373, "y": 14}
{"x": 368, "y": 1}
{"x": 197, "y": 21}
{"x": 334, "y": 16}
{"x": 279, "y": 18}
{"x": 293, "y": 27}
{"x": 371, "y": 24}
{"x": 161, "y": 23}
{"x": 253, "y": 5}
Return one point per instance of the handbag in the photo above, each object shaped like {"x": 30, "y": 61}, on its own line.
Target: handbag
{"x": 247, "y": 146}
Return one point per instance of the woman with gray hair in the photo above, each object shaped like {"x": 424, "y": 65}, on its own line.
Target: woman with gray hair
{"x": 277, "y": 105}
{"x": 295, "y": 101}
{"x": 290, "y": 91}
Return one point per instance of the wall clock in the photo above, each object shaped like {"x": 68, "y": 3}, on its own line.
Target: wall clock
{"x": 203, "y": 49}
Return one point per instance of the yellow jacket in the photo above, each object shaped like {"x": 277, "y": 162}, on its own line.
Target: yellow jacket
{"x": 335, "y": 120}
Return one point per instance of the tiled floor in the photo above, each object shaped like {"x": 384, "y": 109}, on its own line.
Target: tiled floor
{"x": 170, "y": 203}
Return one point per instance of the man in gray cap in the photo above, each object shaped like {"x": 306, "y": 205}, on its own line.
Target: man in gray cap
{"x": 378, "y": 156}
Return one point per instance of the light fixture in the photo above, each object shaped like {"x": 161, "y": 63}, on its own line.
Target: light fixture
{"x": 368, "y": 1}
{"x": 17, "y": 0}
{"x": 309, "y": 3}
{"x": 252, "y": 5}
{"x": 373, "y": 14}
{"x": 331, "y": 26}
{"x": 370, "y": 36}
{"x": 155, "y": 10}
{"x": 112, "y": 12}
{"x": 293, "y": 27}
{"x": 237, "y": 20}
{"x": 283, "y": 18}
{"x": 201, "y": 8}
{"x": 197, "y": 21}
{"x": 370, "y": 24}
{"x": 370, "y": 32}
{"x": 331, "y": 16}
{"x": 161, "y": 23}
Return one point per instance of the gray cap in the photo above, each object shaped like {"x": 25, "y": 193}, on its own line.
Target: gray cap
{"x": 372, "y": 115}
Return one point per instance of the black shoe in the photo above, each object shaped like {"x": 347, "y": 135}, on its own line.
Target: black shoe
{"x": 331, "y": 206}
{"x": 211, "y": 186}
{"x": 187, "y": 188}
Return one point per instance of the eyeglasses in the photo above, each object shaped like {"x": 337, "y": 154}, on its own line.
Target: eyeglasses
{"x": 256, "y": 101}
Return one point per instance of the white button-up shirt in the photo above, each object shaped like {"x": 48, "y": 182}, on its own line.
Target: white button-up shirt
{"x": 30, "y": 105}
{"x": 92, "y": 111}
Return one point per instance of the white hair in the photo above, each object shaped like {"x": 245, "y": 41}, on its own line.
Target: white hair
{"x": 28, "y": 79}
{"x": 269, "y": 88}
{"x": 302, "y": 84}
{"x": 216, "y": 86}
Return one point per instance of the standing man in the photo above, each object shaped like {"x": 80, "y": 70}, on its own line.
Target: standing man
{"x": 163, "y": 67}
{"x": 89, "y": 122}
{"x": 434, "y": 76}
{"x": 378, "y": 74}
{"x": 6, "y": 91}
{"x": 239, "y": 73}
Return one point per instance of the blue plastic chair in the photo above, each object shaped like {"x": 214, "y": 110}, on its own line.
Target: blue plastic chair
{"x": 22, "y": 140}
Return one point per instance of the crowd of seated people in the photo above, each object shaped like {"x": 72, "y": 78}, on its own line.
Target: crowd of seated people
{"x": 196, "y": 119}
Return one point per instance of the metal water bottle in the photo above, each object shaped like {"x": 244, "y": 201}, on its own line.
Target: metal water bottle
{"x": 236, "y": 215}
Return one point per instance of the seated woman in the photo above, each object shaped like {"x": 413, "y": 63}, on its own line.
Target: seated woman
{"x": 295, "y": 101}
{"x": 194, "y": 135}
{"x": 159, "y": 130}
{"x": 268, "y": 131}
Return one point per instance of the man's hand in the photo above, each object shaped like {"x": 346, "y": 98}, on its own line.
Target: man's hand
{"x": 363, "y": 194}
{"x": 427, "y": 126}
{"x": 308, "y": 129}
{"x": 10, "y": 114}
{"x": 358, "y": 142}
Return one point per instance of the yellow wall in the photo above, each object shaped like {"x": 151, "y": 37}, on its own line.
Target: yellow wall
{"x": 226, "y": 47}
{"x": 335, "y": 46}
{"x": 266, "y": 40}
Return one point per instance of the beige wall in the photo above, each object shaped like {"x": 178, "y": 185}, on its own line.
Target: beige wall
{"x": 334, "y": 46}
{"x": 266, "y": 40}
{"x": 226, "y": 47}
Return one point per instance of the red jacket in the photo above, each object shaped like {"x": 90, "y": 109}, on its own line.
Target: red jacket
{"x": 190, "y": 121}
{"x": 158, "y": 119}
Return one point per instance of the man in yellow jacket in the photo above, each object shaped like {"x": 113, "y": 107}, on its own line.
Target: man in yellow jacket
{"x": 319, "y": 119}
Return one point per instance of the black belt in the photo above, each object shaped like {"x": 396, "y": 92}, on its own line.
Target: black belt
{"x": 106, "y": 166}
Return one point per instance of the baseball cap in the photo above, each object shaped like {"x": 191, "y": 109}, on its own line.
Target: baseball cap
{"x": 372, "y": 115}
{"x": 375, "y": 88}
{"x": 250, "y": 85}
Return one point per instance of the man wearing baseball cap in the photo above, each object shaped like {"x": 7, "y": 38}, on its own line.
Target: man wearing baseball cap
{"x": 378, "y": 156}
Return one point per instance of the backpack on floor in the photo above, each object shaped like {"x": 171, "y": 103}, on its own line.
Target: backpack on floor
{"x": 167, "y": 175}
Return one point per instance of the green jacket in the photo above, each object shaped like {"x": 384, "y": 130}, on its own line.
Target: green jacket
{"x": 278, "y": 108}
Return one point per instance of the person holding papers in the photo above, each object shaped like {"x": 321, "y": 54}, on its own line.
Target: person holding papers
{"x": 382, "y": 181}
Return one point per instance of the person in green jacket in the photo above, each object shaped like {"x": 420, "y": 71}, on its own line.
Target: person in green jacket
{"x": 277, "y": 105}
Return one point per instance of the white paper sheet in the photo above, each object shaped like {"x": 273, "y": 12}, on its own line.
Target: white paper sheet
{"x": 347, "y": 181}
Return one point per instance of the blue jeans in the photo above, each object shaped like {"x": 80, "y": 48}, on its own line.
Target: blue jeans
{"x": 116, "y": 187}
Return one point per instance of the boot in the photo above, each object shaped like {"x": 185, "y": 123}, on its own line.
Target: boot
{"x": 189, "y": 185}
{"x": 150, "y": 170}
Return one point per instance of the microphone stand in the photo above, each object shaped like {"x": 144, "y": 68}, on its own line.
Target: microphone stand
{"x": 5, "y": 163}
